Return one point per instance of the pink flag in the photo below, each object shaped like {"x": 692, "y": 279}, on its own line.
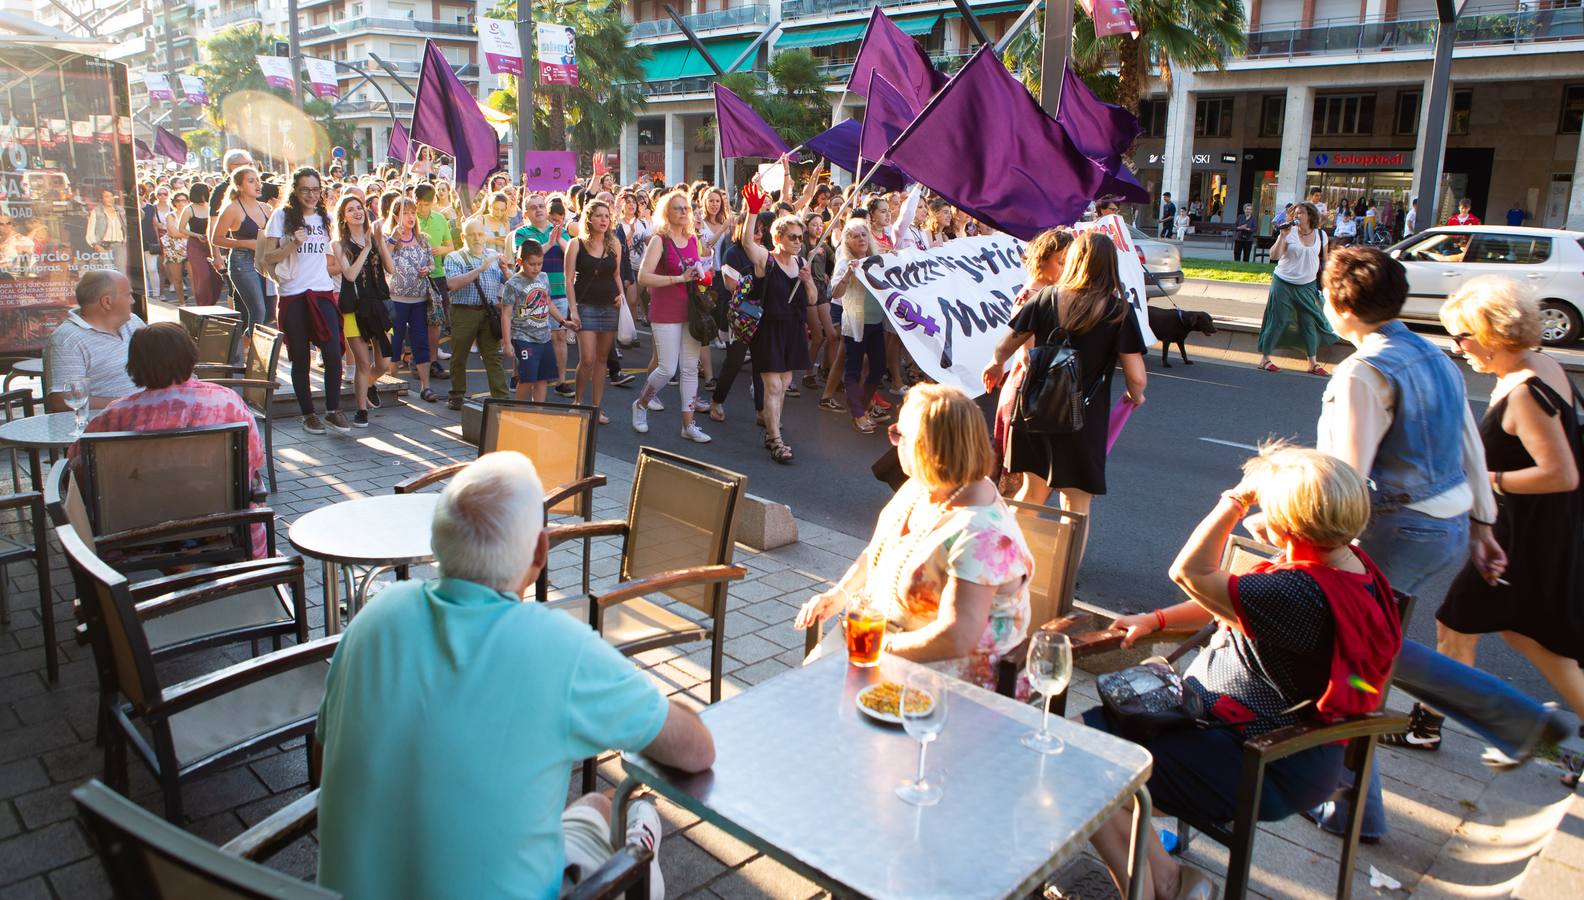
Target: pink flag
{"x": 1110, "y": 17}
{"x": 1119, "y": 417}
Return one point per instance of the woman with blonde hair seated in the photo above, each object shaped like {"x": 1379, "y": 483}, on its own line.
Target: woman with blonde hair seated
{"x": 947, "y": 565}
{"x": 1313, "y": 635}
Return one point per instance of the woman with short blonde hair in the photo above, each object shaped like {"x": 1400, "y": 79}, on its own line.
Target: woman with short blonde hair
{"x": 947, "y": 564}
{"x": 669, "y": 269}
{"x": 1495, "y": 312}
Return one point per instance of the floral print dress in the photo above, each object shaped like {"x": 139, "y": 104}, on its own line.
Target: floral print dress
{"x": 905, "y": 573}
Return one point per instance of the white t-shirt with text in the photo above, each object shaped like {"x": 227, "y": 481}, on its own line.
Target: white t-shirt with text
{"x": 310, "y": 269}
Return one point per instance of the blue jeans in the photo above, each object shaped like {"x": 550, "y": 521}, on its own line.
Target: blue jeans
{"x": 249, "y": 286}
{"x": 872, "y": 347}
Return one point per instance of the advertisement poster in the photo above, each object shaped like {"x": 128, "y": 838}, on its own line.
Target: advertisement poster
{"x": 277, "y": 71}
{"x": 321, "y": 77}
{"x": 159, "y": 89}
{"x": 498, "y": 41}
{"x": 66, "y": 186}
{"x": 557, "y": 46}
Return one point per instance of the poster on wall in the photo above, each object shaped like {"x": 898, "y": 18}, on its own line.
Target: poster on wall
{"x": 498, "y": 41}
{"x": 557, "y": 48}
{"x": 67, "y": 202}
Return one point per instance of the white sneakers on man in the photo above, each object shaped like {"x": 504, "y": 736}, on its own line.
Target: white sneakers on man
{"x": 640, "y": 418}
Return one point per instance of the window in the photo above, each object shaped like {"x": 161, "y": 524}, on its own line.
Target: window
{"x": 1213, "y": 117}
{"x": 1572, "y": 109}
{"x": 1337, "y": 114}
{"x": 1509, "y": 249}
{"x": 1462, "y": 112}
{"x": 1444, "y": 247}
{"x": 1407, "y": 118}
{"x": 355, "y": 11}
{"x": 1152, "y": 116}
{"x": 1273, "y": 110}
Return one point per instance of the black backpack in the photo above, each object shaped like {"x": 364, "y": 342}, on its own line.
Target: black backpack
{"x": 1052, "y": 399}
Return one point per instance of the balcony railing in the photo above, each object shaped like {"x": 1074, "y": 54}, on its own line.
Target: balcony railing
{"x": 736, "y": 17}
{"x": 1475, "y": 28}
{"x": 947, "y": 61}
{"x": 379, "y": 107}
{"x": 698, "y": 84}
{"x": 800, "y": 9}
{"x": 236, "y": 17}
{"x": 350, "y": 26}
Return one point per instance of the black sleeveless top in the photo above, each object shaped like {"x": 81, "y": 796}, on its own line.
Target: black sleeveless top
{"x": 596, "y": 278}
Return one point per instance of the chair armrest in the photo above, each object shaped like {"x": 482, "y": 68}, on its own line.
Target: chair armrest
{"x": 1284, "y": 742}
{"x": 628, "y": 590}
{"x": 253, "y": 515}
{"x": 150, "y": 588}
{"x": 574, "y": 530}
{"x": 284, "y": 572}
{"x": 277, "y": 831}
{"x": 424, "y": 479}
{"x": 18, "y": 501}
{"x": 571, "y": 489}
{"x": 242, "y": 382}
{"x": 199, "y": 368}
{"x": 192, "y": 692}
{"x": 616, "y": 876}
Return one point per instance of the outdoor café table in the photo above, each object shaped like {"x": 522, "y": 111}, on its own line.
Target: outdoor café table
{"x": 805, "y": 777}
{"x": 23, "y": 368}
{"x": 389, "y": 530}
{"x": 50, "y": 431}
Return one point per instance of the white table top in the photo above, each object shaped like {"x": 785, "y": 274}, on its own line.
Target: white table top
{"x": 34, "y": 366}
{"x": 388, "y": 529}
{"x": 51, "y": 431}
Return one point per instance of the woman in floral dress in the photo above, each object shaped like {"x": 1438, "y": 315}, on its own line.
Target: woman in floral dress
{"x": 948, "y": 565}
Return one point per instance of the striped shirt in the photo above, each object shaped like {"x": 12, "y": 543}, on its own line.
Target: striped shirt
{"x": 80, "y": 350}
{"x": 461, "y": 262}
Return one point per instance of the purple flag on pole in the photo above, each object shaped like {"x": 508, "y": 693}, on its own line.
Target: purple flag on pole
{"x": 742, "y": 132}
{"x": 887, "y": 116}
{"x": 986, "y": 146}
{"x": 140, "y": 150}
{"x": 398, "y": 149}
{"x": 839, "y": 144}
{"x": 1102, "y": 132}
{"x": 169, "y": 145}
{"x": 447, "y": 118}
{"x": 899, "y": 58}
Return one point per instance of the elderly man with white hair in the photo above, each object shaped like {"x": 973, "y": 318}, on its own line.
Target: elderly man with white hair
{"x": 454, "y": 711}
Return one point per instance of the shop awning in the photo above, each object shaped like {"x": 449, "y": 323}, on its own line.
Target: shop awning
{"x": 995, "y": 10}
{"x": 918, "y": 25}
{"x": 682, "y": 61}
{"x": 822, "y": 35}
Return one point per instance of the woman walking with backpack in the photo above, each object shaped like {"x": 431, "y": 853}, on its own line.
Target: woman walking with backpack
{"x": 1086, "y": 311}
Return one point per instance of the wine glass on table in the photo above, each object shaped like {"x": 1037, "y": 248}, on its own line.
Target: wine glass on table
{"x": 1049, "y": 671}
{"x": 923, "y": 710}
{"x": 76, "y": 396}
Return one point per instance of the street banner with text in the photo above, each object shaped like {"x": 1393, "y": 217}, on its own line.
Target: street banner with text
{"x": 158, "y": 87}
{"x": 321, "y": 77}
{"x": 557, "y": 46}
{"x": 277, "y": 71}
{"x": 499, "y": 44}
{"x": 1129, "y": 270}
{"x": 193, "y": 88}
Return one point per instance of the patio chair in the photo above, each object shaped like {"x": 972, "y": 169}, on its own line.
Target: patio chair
{"x": 15, "y": 548}
{"x": 18, "y": 404}
{"x": 256, "y": 382}
{"x": 677, "y": 540}
{"x": 216, "y": 338}
{"x": 203, "y": 723}
{"x": 149, "y": 859}
{"x": 1055, "y": 537}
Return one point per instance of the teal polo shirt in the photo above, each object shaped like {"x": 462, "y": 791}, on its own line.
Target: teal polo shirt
{"x": 452, "y": 717}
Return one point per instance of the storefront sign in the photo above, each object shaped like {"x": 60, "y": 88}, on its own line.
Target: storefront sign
{"x": 1199, "y": 159}
{"x": 1362, "y": 159}
{"x": 1229, "y": 158}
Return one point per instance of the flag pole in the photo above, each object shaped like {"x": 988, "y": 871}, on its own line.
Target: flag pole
{"x": 857, "y": 189}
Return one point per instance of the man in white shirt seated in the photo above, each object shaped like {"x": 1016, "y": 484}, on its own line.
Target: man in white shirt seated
{"x": 92, "y": 342}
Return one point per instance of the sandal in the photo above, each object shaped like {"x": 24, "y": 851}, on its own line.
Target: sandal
{"x": 604, "y": 419}
{"x": 864, "y": 425}
{"x": 717, "y": 413}
{"x": 429, "y": 396}
{"x": 1267, "y": 367}
{"x": 779, "y": 451}
{"x": 830, "y": 404}
{"x": 1318, "y": 369}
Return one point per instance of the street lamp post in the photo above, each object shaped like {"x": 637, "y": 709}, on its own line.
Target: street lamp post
{"x": 525, "y": 40}
{"x": 295, "y": 52}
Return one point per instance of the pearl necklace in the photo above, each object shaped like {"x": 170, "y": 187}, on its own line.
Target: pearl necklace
{"x": 889, "y": 541}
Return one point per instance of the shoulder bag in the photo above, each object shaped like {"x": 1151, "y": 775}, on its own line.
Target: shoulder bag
{"x": 1052, "y": 399}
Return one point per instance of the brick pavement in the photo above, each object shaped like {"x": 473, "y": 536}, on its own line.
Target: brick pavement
{"x": 1470, "y": 830}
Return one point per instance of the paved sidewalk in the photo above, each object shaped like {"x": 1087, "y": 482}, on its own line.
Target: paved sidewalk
{"x": 1472, "y": 832}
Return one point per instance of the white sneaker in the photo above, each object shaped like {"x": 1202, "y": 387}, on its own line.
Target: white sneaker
{"x": 691, "y": 432}
{"x": 655, "y": 405}
{"x": 444, "y": 353}
{"x": 640, "y": 418}
{"x": 643, "y": 827}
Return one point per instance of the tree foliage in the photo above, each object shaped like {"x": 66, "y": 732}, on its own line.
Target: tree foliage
{"x": 793, "y": 103}
{"x": 231, "y": 65}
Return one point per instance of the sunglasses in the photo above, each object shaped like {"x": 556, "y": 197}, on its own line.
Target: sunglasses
{"x": 793, "y": 237}
{"x": 1458, "y": 339}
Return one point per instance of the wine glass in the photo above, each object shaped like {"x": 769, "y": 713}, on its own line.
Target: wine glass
{"x": 923, "y": 710}
{"x": 76, "y": 396}
{"x": 1049, "y": 671}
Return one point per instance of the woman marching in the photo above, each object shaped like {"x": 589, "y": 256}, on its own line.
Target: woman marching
{"x": 365, "y": 261}
{"x": 594, "y": 293}
{"x": 236, "y": 229}
{"x": 1043, "y": 259}
{"x": 779, "y": 345}
{"x": 669, "y": 269}
{"x": 1299, "y": 254}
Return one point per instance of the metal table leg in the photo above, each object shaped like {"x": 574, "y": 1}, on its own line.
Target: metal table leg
{"x": 619, "y": 804}
{"x": 332, "y": 597}
{"x": 1136, "y": 857}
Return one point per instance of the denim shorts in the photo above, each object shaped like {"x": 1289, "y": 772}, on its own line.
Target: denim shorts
{"x": 535, "y": 362}
{"x": 561, "y": 307}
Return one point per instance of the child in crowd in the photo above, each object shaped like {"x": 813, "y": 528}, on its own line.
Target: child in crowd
{"x": 526, "y": 307}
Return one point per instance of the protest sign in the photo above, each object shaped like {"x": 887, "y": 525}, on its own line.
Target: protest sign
{"x": 550, "y": 170}
{"x": 498, "y": 42}
{"x": 557, "y": 46}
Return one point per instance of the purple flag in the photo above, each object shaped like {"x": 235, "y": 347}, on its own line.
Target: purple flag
{"x": 399, "y": 148}
{"x": 169, "y": 145}
{"x": 140, "y": 150}
{"x": 888, "y": 50}
{"x": 986, "y": 146}
{"x": 887, "y": 116}
{"x": 447, "y": 118}
{"x": 839, "y": 144}
{"x": 742, "y": 132}
{"x": 1102, "y": 132}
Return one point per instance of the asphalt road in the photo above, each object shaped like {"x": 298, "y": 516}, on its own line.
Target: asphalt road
{"x": 1174, "y": 458}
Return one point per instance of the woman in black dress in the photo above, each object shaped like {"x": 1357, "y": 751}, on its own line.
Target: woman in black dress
{"x": 1534, "y": 451}
{"x": 780, "y": 344}
{"x": 1087, "y": 304}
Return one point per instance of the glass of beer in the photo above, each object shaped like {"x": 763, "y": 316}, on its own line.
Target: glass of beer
{"x": 865, "y": 626}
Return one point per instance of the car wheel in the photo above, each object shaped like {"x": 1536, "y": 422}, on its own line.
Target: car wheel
{"x": 1560, "y": 323}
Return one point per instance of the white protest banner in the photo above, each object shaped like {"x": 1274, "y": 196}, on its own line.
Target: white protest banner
{"x": 951, "y": 304}
{"x": 321, "y": 77}
{"x": 158, "y": 87}
{"x": 277, "y": 71}
{"x": 1129, "y": 268}
{"x": 193, "y": 87}
{"x": 498, "y": 41}
{"x": 557, "y": 46}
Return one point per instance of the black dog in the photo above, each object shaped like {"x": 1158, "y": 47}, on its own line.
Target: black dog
{"x": 1171, "y": 326}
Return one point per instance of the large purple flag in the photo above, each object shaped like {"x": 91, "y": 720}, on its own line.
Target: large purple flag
{"x": 447, "y": 118}
{"x": 742, "y": 132}
{"x": 140, "y": 150}
{"x": 986, "y": 146}
{"x": 1102, "y": 132}
{"x": 169, "y": 145}
{"x": 887, "y": 49}
{"x": 399, "y": 148}
{"x": 887, "y": 116}
{"x": 839, "y": 144}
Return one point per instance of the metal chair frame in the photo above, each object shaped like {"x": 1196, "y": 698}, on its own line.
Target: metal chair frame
{"x": 264, "y": 346}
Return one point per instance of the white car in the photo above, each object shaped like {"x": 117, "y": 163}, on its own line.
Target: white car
{"x": 1161, "y": 259}
{"x": 1547, "y": 263}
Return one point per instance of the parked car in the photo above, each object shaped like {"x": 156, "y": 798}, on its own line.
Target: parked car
{"x": 1547, "y": 262}
{"x": 1161, "y": 259}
